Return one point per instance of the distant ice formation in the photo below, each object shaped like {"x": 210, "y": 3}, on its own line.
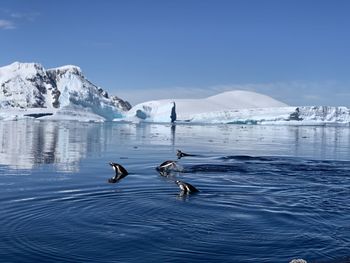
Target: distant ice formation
{"x": 237, "y": 107}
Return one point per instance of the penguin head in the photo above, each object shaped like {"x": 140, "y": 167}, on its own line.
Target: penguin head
{"x": 179, "y": 154}
{"x": 120, "y": 170}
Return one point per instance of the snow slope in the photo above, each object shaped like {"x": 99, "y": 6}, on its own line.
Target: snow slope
{"x": 28, "y": 89}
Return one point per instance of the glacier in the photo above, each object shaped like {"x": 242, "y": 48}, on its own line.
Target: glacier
{"x": 63, "y": 93}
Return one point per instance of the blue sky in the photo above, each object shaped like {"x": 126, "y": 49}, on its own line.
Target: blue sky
{"x": 297, "y": 51}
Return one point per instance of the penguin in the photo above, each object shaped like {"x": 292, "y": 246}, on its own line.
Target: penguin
{"x": 169, "y": 166}
{"x": 166, "y": 166}
{"x": 181, "y": 154}
{"x": 120, "y": 172}
{"x": 186, "y": 188}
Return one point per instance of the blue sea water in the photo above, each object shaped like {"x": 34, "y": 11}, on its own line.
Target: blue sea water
{"x": 267, "y": 193}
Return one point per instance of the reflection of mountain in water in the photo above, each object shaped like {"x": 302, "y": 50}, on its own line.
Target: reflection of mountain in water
{"x": 27, "y": 143}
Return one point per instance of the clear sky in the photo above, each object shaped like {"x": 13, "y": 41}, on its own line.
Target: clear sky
{"x": 297, "y": 51}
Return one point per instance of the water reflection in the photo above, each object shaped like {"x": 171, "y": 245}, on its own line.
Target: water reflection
{"x": 173, "y": 131}
{"x": 25, "y": 144}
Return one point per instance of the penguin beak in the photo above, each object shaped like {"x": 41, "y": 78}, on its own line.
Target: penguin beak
{"x": 110, "y": 164}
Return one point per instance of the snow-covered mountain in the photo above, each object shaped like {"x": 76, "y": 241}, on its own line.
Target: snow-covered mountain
{"x": 29, "y": 89}
{"x": 237, "y": 107}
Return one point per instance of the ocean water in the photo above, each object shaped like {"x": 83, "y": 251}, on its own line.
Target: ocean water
{"x": 267, "y": 193}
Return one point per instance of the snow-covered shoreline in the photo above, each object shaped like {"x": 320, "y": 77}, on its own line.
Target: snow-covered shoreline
{"x": 306, "y": 115}
{"x": 65, "y": 114}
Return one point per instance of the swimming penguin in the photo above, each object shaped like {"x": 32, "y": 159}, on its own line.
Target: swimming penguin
{"x": 181, "y": 154}
{"x": 166, "y": 167}
{"x": 186, "y": 188}
{"x": 120, "y": 172}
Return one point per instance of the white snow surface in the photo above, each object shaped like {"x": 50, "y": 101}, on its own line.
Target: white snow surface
{"x": 60, "y": 93}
